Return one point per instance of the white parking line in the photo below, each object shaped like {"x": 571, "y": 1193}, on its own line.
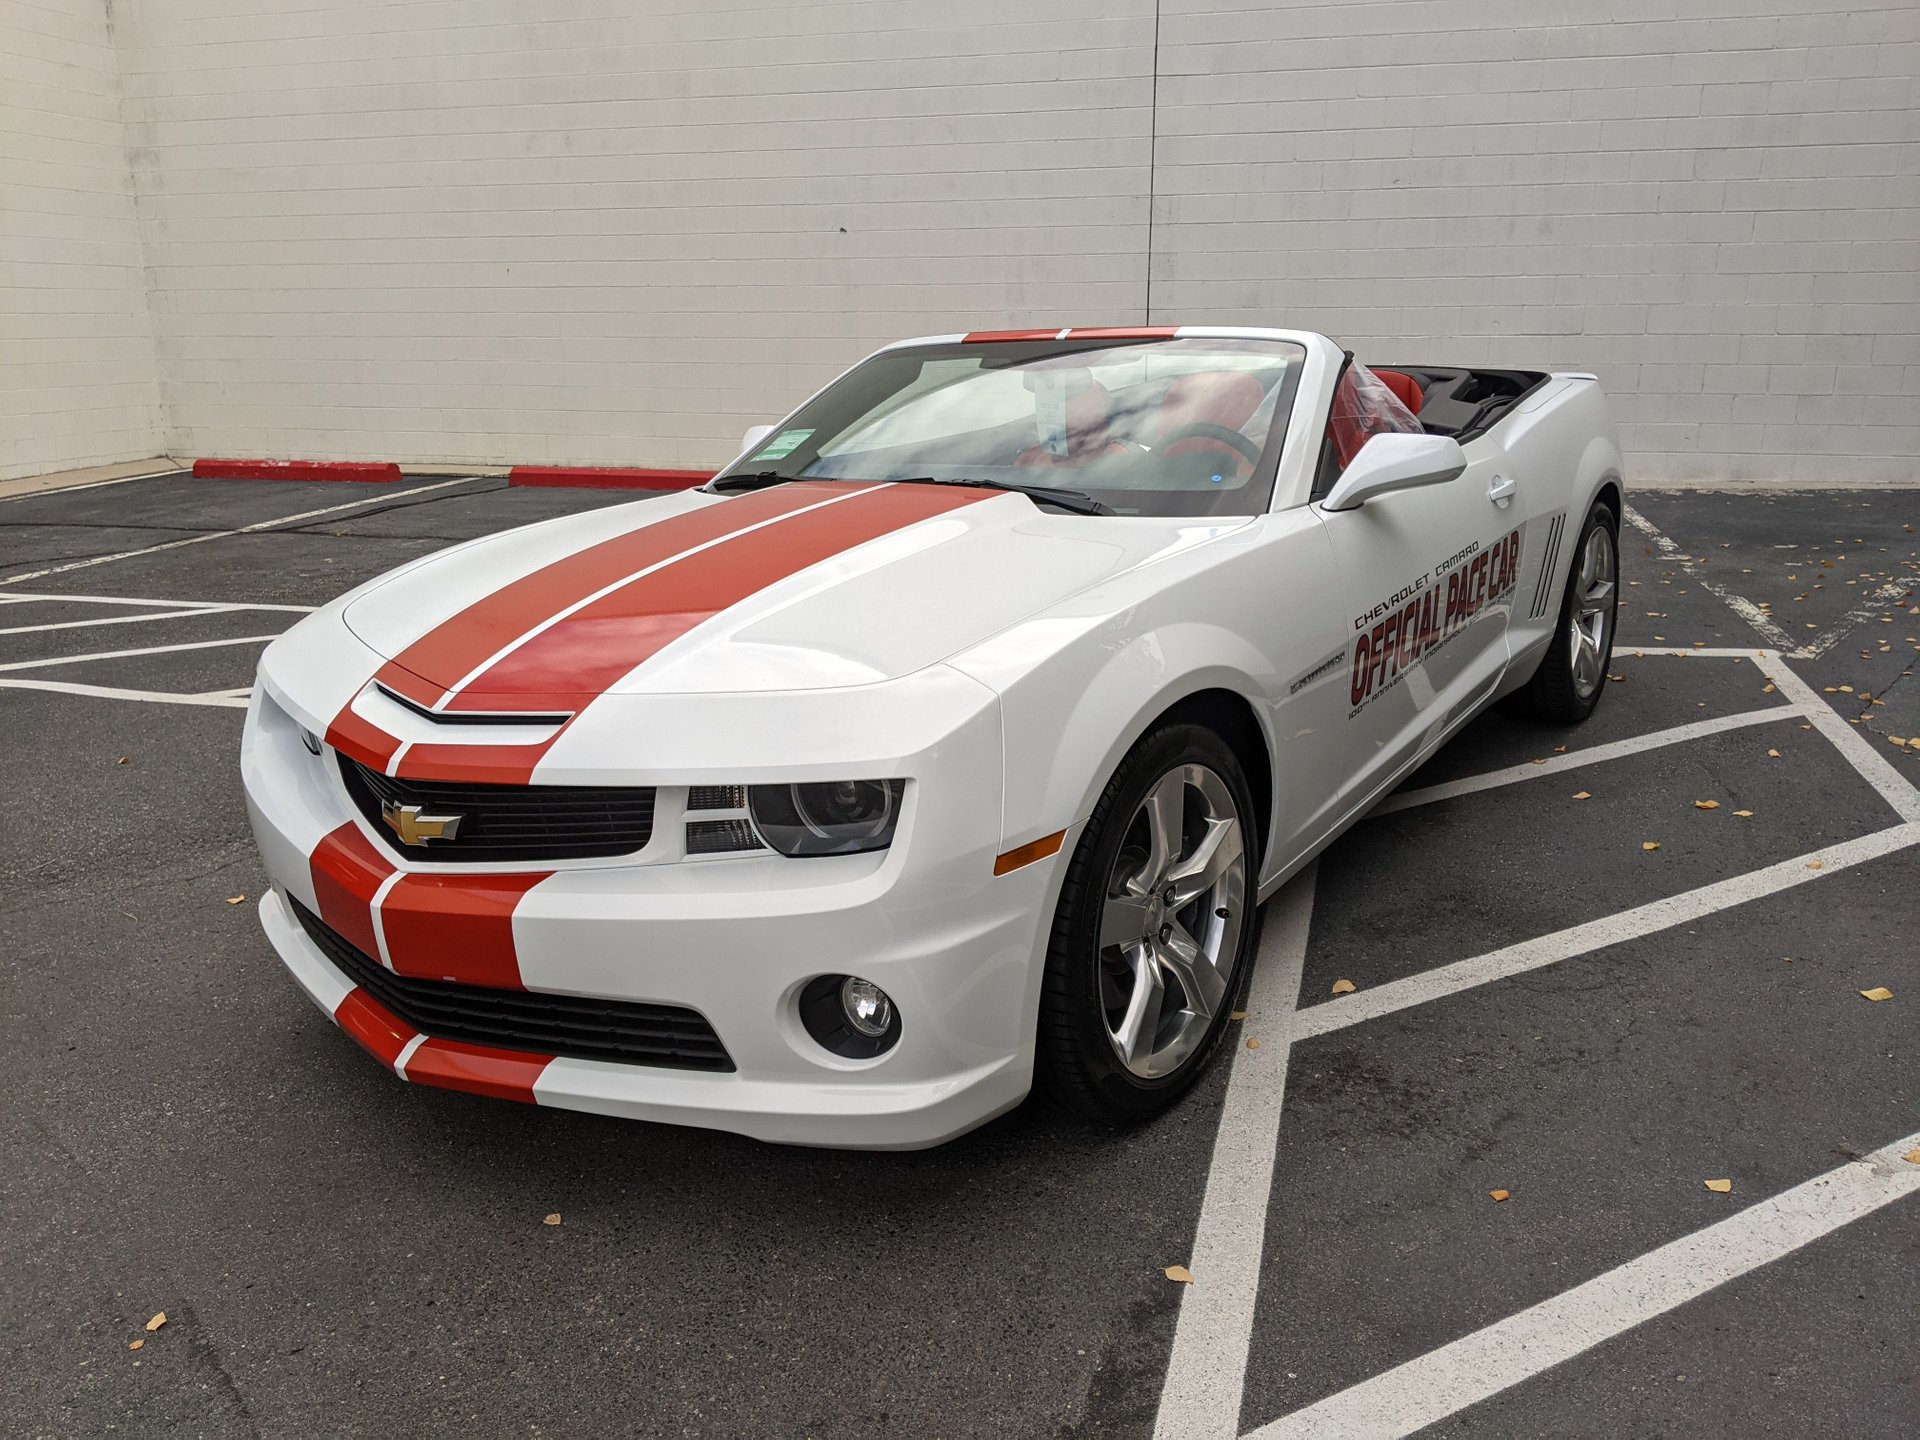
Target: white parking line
{"x": 1446, "y": 1381}
{"x": 123, "y": 619}
{"x": 1642, "y": 920}
{"x": 1200, "y": 1398}
{"x": 22, "y": 597}
{"x": 1593, "y": 755}
{"x": 218, "y": 699}
{"x": 1739, "y": 604}
{"x": 1876, "y": 769}
{"x": 148, "y": 650}
{"x": 252, "y": 529}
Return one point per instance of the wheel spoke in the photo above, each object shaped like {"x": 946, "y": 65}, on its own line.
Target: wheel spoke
{"x": 1216, "y": 853}
{"x": 1598, "y": 597}
{"x": 1586, "y": 662}
{"x": 1123, "y": 921}
{"x": 1165, "y": 809}
{"x": 1204, "y": 985}
{"x": 1141, "y": 1024}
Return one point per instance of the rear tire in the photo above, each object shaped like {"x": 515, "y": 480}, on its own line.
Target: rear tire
{"x": 1573, "y": 673}
{"x": 1153, "y": 937}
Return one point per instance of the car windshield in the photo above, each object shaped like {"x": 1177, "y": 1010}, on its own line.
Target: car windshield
{"x": 1146, "y": 427}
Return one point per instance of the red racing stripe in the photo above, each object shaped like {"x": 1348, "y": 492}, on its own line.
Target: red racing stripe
{"x": 579, "y": 657}
{"x": 456, "y": 927}
{"x": 454, "y": 649}
{"x": 347, "y": 872}
{"x": 477, "y": 1069}
{"x": 379, "y": 1031}
{"x": 989, "y": 337}
{"x": 426, "y": 669}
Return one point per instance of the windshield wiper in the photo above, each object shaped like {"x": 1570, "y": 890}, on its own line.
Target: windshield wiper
{"x": 1077, "y": 501}
{"x": 758, "y": 480}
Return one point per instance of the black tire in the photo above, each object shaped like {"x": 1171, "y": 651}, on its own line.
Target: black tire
{"x": 1556, "y": 692}
{"x": 1078, "y": 1066}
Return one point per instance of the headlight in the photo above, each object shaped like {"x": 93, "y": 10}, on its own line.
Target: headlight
{"x": 830, "y": 817}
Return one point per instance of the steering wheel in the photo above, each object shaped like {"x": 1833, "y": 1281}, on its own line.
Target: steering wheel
{"x": 1200, "y": 431}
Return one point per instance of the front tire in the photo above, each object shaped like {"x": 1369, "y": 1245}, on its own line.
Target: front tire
{"x": 1154, "y": 932}
{"x": 1573, "y": 674}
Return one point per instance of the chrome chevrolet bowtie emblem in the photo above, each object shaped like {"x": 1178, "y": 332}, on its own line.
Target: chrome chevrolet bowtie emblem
{"x": 413, "y": 828}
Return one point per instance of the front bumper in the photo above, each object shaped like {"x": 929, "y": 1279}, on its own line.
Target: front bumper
{"x": 735, "y": 939}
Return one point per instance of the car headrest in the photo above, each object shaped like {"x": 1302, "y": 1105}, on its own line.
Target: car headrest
{"x": 1403, "y": 386}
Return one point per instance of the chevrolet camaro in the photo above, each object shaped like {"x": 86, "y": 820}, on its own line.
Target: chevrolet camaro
{"x": 942, "y": 747}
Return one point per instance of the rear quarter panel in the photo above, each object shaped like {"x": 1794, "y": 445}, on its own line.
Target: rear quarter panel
{"x": 1563, "y": 451}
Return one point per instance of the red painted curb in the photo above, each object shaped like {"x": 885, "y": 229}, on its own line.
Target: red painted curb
{"x": 591, "y": 477}
{"x": 361, "y": 470}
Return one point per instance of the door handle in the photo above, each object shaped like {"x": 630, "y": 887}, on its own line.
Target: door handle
{"x": 1501, "y": 490}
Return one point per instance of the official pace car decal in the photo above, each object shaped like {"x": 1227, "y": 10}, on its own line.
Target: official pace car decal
{"x": 1409, "y": 625}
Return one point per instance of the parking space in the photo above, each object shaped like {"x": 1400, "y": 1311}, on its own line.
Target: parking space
{"x": 1539, "y": 1005}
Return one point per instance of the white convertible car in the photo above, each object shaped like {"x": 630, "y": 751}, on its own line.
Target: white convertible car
{"x": 941, "y": 747}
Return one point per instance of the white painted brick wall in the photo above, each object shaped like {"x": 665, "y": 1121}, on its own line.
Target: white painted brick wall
{"x": 617, "y": 231}
{"x": 1714, "y": 204}
{"x": 78, "y": 385}
{"x": 610, "y": 230}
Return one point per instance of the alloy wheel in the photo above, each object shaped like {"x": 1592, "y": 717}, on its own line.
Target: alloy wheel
{"x": 1170, "y": 925}
{"x": 1590, "y": 627}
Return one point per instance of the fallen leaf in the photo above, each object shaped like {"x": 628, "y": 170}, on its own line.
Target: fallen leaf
{"x": 1846, "y": 689}
{"x": 1744, "y": 814}
{"x": 1706, "y": 804}
{"x": 1622, "y": 677}
{"x": 124, "y": 760}
{"x": 1912, "y": 1157}
{"x": 156, "y": 1322}
{"x": 1649, "y": 844}
{"x": 1498, "y": 1195}
{"x": 135, "y": 1344}
{"x": 1775, "y": 753}
{"x": 1766, "y": 689}
{"x": 1879, "y": 992}
{"x": 1559, "y": 749}
{"x": 1720, "y": 1187}
{"x": 1238, "y": 1015}
{"x": 1815, "y": 865}
{"x": 1253, "y": 1042}
{"x": 553, "y": 1219}
{"x": 1583, "y": 795}
{"x": 1179, "y": 1274}
{"x": 235, "y": 899}
{"x": 1540, "y": 762}
{"x": 1343, "y": 987}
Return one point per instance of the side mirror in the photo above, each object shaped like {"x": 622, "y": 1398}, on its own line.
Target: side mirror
{"x": 1387, "y": 463}
{"x": 755, "y": 434}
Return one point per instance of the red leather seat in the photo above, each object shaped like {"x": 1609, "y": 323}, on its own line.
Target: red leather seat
{"x": 1226, "y": 398}
{"x": 1404, "y": 386}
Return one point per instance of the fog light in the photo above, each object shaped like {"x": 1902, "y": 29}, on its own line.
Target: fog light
{"x": 852, "y": 1017}
{"x": 868, "y": 1009}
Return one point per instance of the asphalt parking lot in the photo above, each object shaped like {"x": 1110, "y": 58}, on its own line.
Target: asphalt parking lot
{"x": 1540, "y": 1005}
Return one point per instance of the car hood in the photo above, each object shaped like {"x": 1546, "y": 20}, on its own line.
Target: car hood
{"x": 807, "y": 587}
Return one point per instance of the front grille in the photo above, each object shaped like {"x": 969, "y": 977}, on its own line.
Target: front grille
{"x": 511, "y": 822}
{"x": 625, "y": 1031}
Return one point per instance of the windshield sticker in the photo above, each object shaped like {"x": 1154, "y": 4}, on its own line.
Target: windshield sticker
{"x": 1402, "y": 630}
{"x": 1050, "y": 410}
{"x": 784, "y": 444}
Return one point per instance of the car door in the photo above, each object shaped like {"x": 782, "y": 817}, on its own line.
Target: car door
{"x": 1428, "y": 576}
